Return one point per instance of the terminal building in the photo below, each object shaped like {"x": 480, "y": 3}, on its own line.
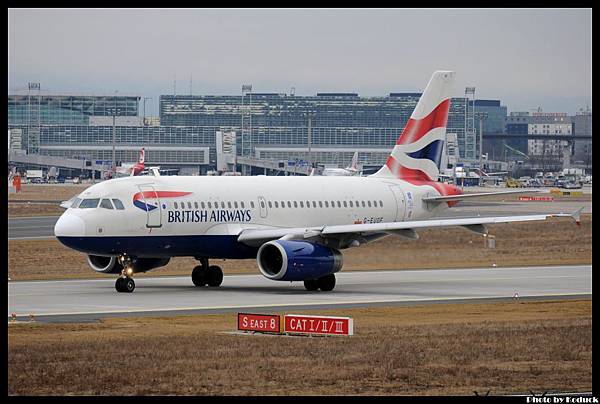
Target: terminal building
{"x": 267, "y": 125}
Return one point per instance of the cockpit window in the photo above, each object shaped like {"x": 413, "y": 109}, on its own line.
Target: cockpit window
{"x": 105, "y": 203}
{"x": 118, "y": 204}
{"x": 89, "y": 203}
{"x": 75, "y": 202}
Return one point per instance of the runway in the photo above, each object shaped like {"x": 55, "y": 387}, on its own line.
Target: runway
{"x": 85, "y": 300}
{"x": 24, "y": 228}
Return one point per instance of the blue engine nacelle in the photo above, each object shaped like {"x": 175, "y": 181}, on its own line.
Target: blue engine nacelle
{"x": 289, "y": 260}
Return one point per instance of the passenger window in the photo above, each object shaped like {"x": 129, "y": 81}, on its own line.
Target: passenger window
{"x": 175, "y": 205}
{"x": 289, "y": 204}
{"x": 202, "y": 204}
{"x": 345, "y": 205}
{"x": 282, "y": 204}
{"x": 308, "y": 204}
{"x": 350, "y": 204}
{"x": 314, "y": 204}
{"x": 262, "y": 204}
{"x": 196, "y": 205}
{"x": 301, "y": 204}
{"x": 242, "y": 204}
{"x": 89, "y": 203}
{"x": 326, "y": 204}
{"x": 320, "y": 204}
{"x": 189, "y": 205}
{"x": 270, "y": 205}
{"x": 295, "y": 204}
{"x": 381, "y": 204}
{"x": 118, "y": 204}
{"x": 105, "y": 203}
{"x": 339, "y": 204}
{"x": 209, "y": 205}
{"x": 222, "y": 205}
{"x": 252, "y": 204}
{"x": 235, "y": 205}
{"x": 363, "y": 204}
{"x": 276, "y": 204}
{"x": 374, "y": 204}
{"x": 369, "y": 203}
{"x": 333, "y": 204}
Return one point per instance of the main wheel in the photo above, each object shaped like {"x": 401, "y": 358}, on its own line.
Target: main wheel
{"x": 128, "y": 285}
{"x": 327, "y": 283}
{"x": 199, "y": 275}
{"x": 311, "y": 284}
{"x": 214, "y": 276}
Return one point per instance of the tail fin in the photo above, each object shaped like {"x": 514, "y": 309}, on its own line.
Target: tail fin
{"x": 141, "y": 159}
{"x": 354, "y": 163}
{"x": 418, "y": 151}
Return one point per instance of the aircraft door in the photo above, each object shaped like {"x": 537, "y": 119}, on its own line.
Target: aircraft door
{"x": 400, "y": 202}
{"x": 149, "y": 197}
{"x": 262, "y": 204}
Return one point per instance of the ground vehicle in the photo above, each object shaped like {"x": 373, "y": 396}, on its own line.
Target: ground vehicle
{"x": 572, "y": 185}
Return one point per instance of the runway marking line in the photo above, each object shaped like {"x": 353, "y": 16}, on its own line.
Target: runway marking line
{"x": 330, "y": 303}
{"x": 344, "y": 274}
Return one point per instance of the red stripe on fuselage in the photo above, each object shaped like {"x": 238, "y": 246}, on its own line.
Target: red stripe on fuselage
{"x": 159, "y": 194}
{"x": 415, "y": 129}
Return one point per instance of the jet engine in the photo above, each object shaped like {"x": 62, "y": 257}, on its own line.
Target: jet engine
{"x": 289, "y": 260}
{"x": 106, "y": 265}
{"x": 109, "y": 265}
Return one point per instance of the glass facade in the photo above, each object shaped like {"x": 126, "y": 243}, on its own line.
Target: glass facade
{"x": 67, "y": 109}
{"x": 337, "y": 119}
{"x": 64, "y": 125}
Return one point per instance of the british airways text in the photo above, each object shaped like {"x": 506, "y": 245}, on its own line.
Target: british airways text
{"x": 195, "y": 216}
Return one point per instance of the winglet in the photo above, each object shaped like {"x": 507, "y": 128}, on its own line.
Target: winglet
{"x": 577, "y": 215}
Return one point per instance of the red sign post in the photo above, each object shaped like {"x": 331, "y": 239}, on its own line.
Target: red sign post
{"x": 319, "y": 325}
{"x": 259, "y": 322}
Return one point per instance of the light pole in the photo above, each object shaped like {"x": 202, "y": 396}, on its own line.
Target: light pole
{"x": 114, "y": 135}
{"x": 482, "y": 116}
{"x": 245, "y": 88}
{"x": 469, "y": 91}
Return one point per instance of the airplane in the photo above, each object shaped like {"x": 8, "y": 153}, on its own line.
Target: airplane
{"x": 352, "y": 169}
{"x": 294, "y": 226}
{"x": 131, "y": 169}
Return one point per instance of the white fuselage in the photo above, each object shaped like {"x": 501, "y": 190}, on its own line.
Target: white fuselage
{"x": 224, "y": 206}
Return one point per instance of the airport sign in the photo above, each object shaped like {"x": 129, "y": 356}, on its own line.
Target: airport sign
{"x": 319, "y": 325}
{"x": 259, "y": 322}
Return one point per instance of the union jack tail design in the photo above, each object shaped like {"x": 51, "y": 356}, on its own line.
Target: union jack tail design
{"x": 417, "y": 155}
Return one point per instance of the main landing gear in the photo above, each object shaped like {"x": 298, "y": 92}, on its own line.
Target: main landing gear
{"x": 125, "y": 282}
{"x": 204, "y": 274}
{"x": 325, "y": 283}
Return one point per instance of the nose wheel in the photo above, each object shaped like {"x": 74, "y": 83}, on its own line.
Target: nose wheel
{"x": 125, "y": 284}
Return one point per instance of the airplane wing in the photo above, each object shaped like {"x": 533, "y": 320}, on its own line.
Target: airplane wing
{"x": 446, "y": 198}
{"x": 371, "y": 231}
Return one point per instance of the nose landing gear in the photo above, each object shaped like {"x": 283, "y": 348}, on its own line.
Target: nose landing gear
{"x": 204, "y": 274}
{"x": 125, "y": 282}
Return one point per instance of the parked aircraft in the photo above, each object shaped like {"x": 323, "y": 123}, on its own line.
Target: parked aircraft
{"x": 295, "y": 226}
{"x": 131, "y": 169}
{"x": 352, "y": 169}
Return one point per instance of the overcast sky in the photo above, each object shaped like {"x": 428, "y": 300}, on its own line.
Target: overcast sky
{"x": 526, "y": 58}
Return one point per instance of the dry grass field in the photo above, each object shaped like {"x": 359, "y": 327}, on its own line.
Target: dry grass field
{"x": 511, "y": 347}
{"x": 563, "y": 242}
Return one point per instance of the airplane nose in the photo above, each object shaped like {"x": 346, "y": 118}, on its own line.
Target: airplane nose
{"x": 69, "y": 225}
